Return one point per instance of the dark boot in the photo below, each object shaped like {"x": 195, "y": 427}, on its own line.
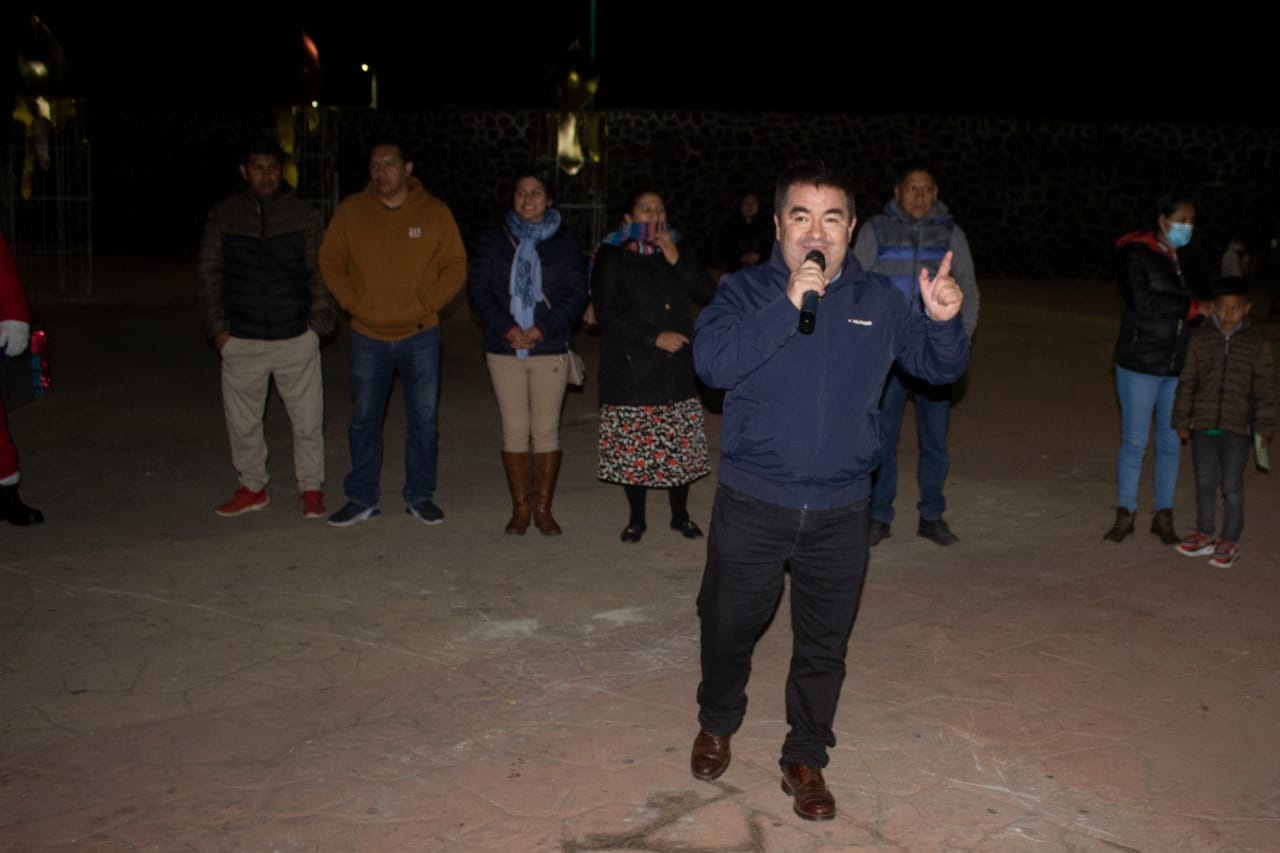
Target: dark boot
{"x": 13, "y": 510}
{"x": 1162, "y": 526}
{"x": 1122, "y": 528}
{"x": 517, "y": 467}
{"x": 546, "y": 468}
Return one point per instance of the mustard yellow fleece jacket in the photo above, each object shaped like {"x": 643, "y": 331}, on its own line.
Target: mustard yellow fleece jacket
{"x": 393, "y": 269}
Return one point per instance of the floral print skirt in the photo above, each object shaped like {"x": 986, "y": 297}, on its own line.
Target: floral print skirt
{"x": 654, "y": 446}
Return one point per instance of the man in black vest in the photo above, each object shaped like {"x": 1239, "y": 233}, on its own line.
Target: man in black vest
{"x": 265, "y": 307}
{"x": 914, "y": 233}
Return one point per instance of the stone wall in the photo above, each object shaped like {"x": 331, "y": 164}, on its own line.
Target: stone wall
{"x": 1038, "y": 198}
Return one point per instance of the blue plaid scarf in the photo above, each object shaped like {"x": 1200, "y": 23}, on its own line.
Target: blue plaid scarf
{"x": 526, "y": 269}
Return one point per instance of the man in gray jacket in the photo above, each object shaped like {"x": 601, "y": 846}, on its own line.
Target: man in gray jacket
{"x": 915, "y": 232}
{"x": 265, "y": 307}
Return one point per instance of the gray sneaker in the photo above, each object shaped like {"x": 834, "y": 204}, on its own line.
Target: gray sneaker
{"x": 426, "y": 512}
{"x": 353, "y": 513}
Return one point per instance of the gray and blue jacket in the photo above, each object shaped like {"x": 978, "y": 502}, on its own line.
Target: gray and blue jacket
{"x": 895, "y": 245}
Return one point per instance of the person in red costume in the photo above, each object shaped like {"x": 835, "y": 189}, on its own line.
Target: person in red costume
{"x": 15, "y": 334}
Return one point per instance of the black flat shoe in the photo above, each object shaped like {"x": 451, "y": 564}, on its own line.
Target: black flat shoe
{"x": 687, "y": 529}
{"x": 633, "y": 532}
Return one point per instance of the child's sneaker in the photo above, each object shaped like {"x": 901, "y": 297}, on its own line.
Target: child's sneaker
{"x": 1196, "y": 545}
{"x": 1225, "y": 554}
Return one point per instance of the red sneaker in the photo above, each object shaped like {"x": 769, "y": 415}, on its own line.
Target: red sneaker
{"x": 313, "y": 504}
{"x": 244, "y": 501}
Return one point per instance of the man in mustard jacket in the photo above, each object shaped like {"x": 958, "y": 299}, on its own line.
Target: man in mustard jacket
{"x": 392, "y": 257}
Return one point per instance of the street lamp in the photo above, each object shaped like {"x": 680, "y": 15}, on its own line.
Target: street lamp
{"x": 373, "y": 84}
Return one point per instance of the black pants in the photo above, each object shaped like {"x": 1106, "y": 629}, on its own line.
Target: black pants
{"x": 1220, "y": 460}
{"x": 747, "y": 545}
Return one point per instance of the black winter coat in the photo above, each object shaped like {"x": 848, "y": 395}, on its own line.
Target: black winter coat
{"x": 1154, "y": 328}
{"x": 637, "y": 296}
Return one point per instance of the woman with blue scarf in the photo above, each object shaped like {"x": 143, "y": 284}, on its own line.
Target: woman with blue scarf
{"x": 644, "y": 285}
{"x": 527, "y": 283}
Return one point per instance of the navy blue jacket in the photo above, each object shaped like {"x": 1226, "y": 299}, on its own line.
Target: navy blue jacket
{"x": 564, "y": 286}
{"x": 802, "y": 414}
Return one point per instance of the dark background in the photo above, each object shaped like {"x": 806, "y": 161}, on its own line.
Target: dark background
{"x": 1144, "y": 63}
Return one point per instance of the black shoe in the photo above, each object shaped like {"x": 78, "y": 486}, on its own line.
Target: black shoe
{"x": 633, "y": 532}
{"x": 14, "y": 511}
{"x": 426, "y": 512}
{"x": 879, "y": 532}
{"x": 936, "y": 531}
{"x": 687, "y": 529}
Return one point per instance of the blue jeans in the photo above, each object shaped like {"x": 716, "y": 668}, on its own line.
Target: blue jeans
{"x": 933, "y": 417}
{"x": 747, "y": 546}
{"x": 373, "y": 365}
{"x": 1143, "y": 396}
{"x": 1220, "y": 460}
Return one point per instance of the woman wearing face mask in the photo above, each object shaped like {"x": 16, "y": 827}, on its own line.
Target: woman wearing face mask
{"x": 528, "y": 284}
{"x": 1154, "y": 329}
{"x": 644, "y": 285}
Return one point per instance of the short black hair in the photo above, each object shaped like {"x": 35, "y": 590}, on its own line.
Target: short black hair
{"x": 1232, "y": 285}
{"x": 909, "y": 166}
{"x": 262, "y": 145}
{"x": 814, "y": 173}
{"x": 399, "y": 144}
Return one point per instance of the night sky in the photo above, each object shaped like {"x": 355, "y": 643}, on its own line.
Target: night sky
{"x": 1064, "y": 63}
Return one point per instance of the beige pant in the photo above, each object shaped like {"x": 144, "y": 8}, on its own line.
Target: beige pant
{"x": 530, "y": 394}
{"x": 247, "y": 368}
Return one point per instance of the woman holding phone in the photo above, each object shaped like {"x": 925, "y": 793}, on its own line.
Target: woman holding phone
{"x": 644, "y": 286}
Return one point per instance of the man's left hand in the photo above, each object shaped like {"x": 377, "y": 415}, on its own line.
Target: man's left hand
{"x": 941, "y": 294}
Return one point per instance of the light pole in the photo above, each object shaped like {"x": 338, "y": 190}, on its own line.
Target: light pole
{"x": 373, "y": 84}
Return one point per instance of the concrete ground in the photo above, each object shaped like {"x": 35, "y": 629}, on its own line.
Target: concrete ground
{"x": 175, "y": 681}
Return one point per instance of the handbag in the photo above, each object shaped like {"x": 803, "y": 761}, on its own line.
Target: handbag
{"x": 577, "y": 369}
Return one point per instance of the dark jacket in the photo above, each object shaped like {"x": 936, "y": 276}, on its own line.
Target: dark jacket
{"x": 637, "y": 296}
{"x": 1158, "y": 304}
{"x": 257, "y": 274}
{"x": 564, "y": 288}
{"x": 801, "y": 422}
{"x": 1228, "y": 382}
{"x": 737, "y": 237}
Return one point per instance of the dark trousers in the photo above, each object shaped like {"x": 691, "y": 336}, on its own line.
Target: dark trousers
{"x": 748, "y": 543}
{"x": 1220, "y": 460}
{"x": 933, "y": 417}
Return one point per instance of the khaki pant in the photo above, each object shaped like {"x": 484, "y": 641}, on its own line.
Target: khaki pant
{"x": 530, "y": 394}
{"x": 247, "y": 368}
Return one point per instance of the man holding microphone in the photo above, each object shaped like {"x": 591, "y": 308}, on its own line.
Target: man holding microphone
{"x": 800, "y": 441}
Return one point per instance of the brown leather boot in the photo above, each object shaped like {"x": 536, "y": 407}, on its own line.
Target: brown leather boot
{"x": 517, "y": 467}
{"x": 1122, "y": 528}
{"x": 1162, "y": 526}
{"x": 546, "y": 467}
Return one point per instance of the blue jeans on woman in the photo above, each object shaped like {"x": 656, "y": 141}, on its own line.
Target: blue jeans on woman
{"x": 373, "y": 365}
{"x": 1142, "y": 397}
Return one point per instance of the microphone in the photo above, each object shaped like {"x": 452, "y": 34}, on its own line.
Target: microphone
{"x": 809, "y": 302}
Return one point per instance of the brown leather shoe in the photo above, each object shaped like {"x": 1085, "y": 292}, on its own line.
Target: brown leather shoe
{"x": 812, "y": 799}
{"x": 710, "y": 757}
